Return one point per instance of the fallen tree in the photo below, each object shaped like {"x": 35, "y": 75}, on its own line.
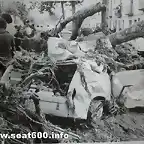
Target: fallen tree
{"x": 135, "y": 31}
{"x": 128, "y": 34}
{"x": 89, "y": 31}
{"x": 79, "y": 17}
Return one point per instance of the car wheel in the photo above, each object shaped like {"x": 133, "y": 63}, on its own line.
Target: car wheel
{"x": 95, "y": 111}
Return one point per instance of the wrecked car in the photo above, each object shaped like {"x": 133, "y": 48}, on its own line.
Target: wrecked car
{"x": 81, "y": 86}
{"x": 127, "y": 87}
{"x": 86, "y": 85}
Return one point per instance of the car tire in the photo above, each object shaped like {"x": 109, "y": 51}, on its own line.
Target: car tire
{"x": 95, "y": 111}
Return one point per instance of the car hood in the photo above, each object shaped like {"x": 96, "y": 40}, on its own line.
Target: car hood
{"x": 88, "y": 84}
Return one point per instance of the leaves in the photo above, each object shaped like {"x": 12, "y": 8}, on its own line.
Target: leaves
{"x": 17, "y": 8}
{"x": 43, "y": 6}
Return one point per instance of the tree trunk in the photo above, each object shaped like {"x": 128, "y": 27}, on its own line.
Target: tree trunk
{"x": 73, "y": 12}
{"x": 79, "y": 16}
{"x": 128, "y": 34}
{"x": 76, "y": 25}
{"x": 104, "y": 15}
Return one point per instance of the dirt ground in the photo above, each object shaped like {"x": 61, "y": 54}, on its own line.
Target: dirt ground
{"x": 126, "y": 127}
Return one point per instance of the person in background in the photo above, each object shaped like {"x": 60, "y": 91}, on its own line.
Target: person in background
{"x": 7, "y": 46}
{"x": 33, "y": 30}
{"x": 12, "y": 30}
{"x": 10, "y": 25}
{"x": 18, "y": 38}
{"x": 28, "y": 29}
{"x": 7, "y": 18}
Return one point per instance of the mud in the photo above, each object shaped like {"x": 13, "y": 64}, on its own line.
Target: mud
{"x": 126, "y": 127}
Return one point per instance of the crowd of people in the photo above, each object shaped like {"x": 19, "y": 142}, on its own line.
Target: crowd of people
{"x": 10, "y": 43}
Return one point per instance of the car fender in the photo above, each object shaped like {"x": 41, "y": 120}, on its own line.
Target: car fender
{"x": 97, "y": 85}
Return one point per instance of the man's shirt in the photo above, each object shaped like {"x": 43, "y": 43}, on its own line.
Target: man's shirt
{"x": 6, "y": 44}
{"x": 11, "y": 29}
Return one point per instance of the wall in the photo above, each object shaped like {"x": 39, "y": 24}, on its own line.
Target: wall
{"x": 125, "y": 21}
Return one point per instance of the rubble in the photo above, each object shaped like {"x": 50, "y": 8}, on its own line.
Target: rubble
{"x": 93, "y": 62}
{"x": 132, "y": 95}
{"x": 78, "y": 80}
{"x": 18, "y": 93}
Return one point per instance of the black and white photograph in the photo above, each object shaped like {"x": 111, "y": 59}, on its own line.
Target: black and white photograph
{"x": 72, "y": 71}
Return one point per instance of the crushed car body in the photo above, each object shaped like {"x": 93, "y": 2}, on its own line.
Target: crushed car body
{"x": 83, "y": 80}
{"x": 86, "y": 85}
{"x": 86, "y": 82}
{"x": 128, "y": 85}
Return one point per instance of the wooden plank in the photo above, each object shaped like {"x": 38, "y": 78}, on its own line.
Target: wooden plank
{"x": 63, "y": 11}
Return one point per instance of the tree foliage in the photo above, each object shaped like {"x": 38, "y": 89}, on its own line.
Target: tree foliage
{"x": 34, "y": 4}
{"x": 17, "y": 8}
{"x": 43, "y": 6}
{"x": 47, "y": 6}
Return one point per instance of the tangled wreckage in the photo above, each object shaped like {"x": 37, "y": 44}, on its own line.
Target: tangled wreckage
{"x": 79, "y": 80}
{"x": 78, "y": 83}
{"x": 82, "y": 89}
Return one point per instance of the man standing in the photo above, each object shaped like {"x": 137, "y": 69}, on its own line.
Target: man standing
{"x": 7, "y": 46}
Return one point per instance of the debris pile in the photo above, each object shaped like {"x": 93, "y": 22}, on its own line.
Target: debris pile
{"x": 52, "y": 77}
{"x": 129, "y": 56}
{"x": 15, "y": 116}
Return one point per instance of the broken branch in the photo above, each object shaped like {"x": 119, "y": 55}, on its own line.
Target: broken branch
{"x": 80, "y": 15}
{"x": 135, "y": 31}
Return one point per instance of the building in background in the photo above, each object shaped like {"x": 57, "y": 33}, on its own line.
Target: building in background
{"x": 91, "y": 21}
{"x": 1, "y": 5}
{"x": 123, "y": 13}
